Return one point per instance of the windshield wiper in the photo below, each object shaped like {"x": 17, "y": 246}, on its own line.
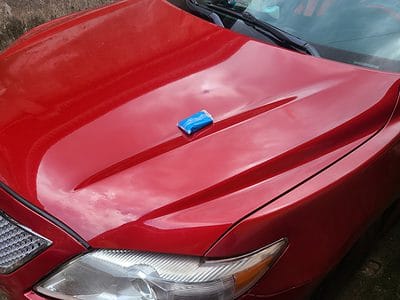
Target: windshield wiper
{"x": 193, "y": 4}
{"x": 280, "y": 36}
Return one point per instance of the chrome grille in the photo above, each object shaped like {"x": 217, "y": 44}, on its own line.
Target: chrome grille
{"x": 18, "y": 244}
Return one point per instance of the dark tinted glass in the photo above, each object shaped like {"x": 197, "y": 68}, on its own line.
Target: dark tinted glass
{"x": 360, "y": 32}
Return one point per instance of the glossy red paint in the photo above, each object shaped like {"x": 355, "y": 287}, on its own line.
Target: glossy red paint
{"x": 33, "y": 296}
{"x": 63, "y": 248}
{"x": 336, "y": 206}
{"x": 88, "y": 113}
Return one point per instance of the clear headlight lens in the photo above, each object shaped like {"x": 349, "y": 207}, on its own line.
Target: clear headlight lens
{"x": 120, "y": 274}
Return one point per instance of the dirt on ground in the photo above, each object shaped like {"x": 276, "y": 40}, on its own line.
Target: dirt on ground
{"x": 18, "y": 16}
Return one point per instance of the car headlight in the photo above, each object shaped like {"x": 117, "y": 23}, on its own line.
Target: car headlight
{"x": 121, "y": 274}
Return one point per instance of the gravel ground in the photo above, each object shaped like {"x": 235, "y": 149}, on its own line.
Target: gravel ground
{"x": 379, "y": 275}
{"x": 18, "y": 16}
{"x": 372, "y": 270}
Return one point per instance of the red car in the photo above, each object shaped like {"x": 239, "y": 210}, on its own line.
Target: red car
{"x": 287, "y": 149}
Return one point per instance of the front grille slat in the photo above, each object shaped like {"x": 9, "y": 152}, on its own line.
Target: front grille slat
{"x": 18, "y": 244}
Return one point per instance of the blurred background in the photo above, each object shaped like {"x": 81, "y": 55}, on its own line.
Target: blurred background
{"x": 18, "y": 16}
{"x": 371, "y": 272}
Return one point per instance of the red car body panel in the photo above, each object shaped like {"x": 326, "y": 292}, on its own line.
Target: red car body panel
{"x": 63, "y": 248}
{"x": 88, "y": 112}
{"x": 324, "y": 216}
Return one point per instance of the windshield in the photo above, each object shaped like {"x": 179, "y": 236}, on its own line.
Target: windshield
{"x": 360, "y": 32}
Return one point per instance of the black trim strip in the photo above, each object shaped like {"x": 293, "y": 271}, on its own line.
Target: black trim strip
{"x": 45, "y": 215}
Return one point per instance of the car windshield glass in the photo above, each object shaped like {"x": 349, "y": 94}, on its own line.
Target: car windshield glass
{"x": 360, "y": 32}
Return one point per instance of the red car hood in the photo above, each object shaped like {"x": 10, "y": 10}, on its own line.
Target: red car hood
{"x": 88, "y": 114}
